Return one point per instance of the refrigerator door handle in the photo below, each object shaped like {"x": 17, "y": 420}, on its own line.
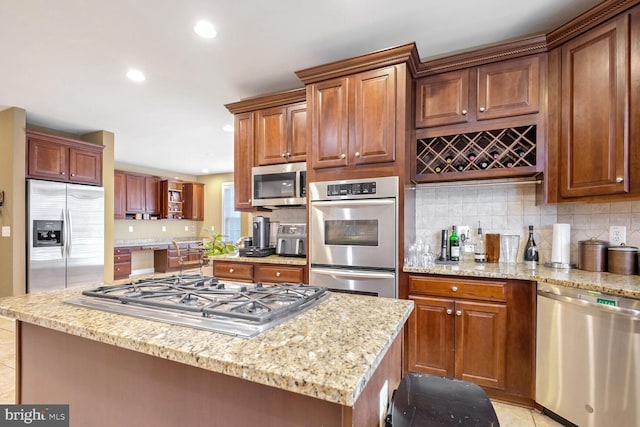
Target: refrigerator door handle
{"x": 69, "y": 232}
{"x": 63, "y": 248}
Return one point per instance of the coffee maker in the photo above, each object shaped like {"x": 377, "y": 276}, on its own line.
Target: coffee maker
{"x": 261, "y": 247}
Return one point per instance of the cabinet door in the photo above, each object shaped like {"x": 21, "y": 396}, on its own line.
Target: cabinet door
{"x": 431, "y": 336}
{"x": 278, "y": 274}
{"x": 135, "y": 193}
{"x": 85, "y": 166}
{"x": 271, "y": 136}
{"x": 593, "y": 141}
{"x": 193, "y": 207}
{"x": 329, "y": 124}
{"x": 119, "y": 194}
{"x": 297, "y": 132}
{"x": 47, "y": 160}
{"x": 481, "y": 337}
{"x": 508, "y": 88}
{"x": 243, "y": 160}
{"x": 443, "y": 99}
{"x": 152, "y": 195}
{"x": 374, "y": 139}
{"x": 233, "y": 270}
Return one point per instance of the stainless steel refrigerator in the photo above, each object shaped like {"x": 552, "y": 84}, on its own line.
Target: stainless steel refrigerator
{"x": 65, "y": 235}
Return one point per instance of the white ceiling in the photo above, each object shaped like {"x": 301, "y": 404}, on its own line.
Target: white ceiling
{"x": 64, "y": 61}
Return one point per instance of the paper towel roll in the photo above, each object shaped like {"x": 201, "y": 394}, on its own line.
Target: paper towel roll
{"x": 561, "y": 246}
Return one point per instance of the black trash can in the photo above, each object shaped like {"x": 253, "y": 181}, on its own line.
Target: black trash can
{"x": 431, "y": 400}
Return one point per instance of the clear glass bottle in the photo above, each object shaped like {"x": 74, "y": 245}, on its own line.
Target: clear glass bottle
{"x": 531, "y": 249}
{"x": 454, "y": 245}
{"x": 481, "y": 252}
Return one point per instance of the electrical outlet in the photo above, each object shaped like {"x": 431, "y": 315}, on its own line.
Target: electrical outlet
{"x": 186, "y": 228}
{"x": 131, "y": 229}
{"x": 617, "y": 235}
{"x": 164, "y": 228}
{"x": 6, "y": 231}
{"x": 383, "y": 403}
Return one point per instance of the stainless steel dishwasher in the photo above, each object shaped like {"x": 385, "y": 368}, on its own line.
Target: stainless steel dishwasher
{"x": 588, "y": 356}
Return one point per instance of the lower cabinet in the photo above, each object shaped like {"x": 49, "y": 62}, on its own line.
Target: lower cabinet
{"x": 190, "y": 256}
{"x": 476, "y": 330}
{"x": 259, "y": 272}
{"x": 121, "y": 263}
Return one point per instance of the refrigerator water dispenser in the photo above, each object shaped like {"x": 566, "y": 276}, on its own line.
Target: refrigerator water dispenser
{"x": 47, "y": 233}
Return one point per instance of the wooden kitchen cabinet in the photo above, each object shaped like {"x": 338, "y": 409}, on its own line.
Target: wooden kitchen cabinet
{"x": 281, "y": 134}
{"x": 269, "y": 273}
{"x": 135, "y": 193}
{"x": 594, "y": 143}
{"x": 193, "y": 204}
{"x": 259, "y": 272}
{"x": 353, "y": 119}
{"x": 243, "y": 160}
{"x": 171, "y": 199}
{"x": 477, "y": 330}
{"x": 168, "y": 259}
{"x": 502, "y": 89}
{"x": 237, "y": 271}
{"x": 152, "y": 195}
{"x": 63, "y": 159}
{"x": 119, "y": 195}
{"x": 121, "y": 263}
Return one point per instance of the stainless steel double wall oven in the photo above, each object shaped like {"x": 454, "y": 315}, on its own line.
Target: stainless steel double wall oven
{"x": 353, "y": 235}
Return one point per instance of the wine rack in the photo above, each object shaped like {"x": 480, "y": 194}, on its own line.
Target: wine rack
{"x": 491, "y": 153}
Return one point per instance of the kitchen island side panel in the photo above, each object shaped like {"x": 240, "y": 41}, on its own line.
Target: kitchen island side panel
{"x": 106, "y": 385}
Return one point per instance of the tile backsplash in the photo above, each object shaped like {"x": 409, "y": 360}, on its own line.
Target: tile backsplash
{"x": 510, "y": 208}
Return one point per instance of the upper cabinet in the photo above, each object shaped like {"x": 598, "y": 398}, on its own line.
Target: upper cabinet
{"x": 193, "y": 205}
{"x": 119, "y": 194}
{"x": 281, "y": 134}
{"x": 142, "y": 194}
{"x": 502, "y": 89}
{"x": 268, "y": 129}
{"x": 359, "y": 113}
{"x": 593, "y": 126}
{"x": 63, "y": 159}
{"x": 353, "y": 119}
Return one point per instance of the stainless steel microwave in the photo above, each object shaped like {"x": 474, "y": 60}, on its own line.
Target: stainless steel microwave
{"x": 279, "y": 185}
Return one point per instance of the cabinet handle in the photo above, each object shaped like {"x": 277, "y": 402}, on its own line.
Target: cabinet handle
{"x": 284, "y": 155}
{"x": 464, "y": 112}
{"x": 61, "y": 173}
{"x": 288, "y": 154}
{"x": 458, "y": 312}
{"x": 619, "y": 179}
{"x": 73, "y": 174}
{"x": 117, "y": 268}
{"x": 482, "y": 109}
{"x": 357, "y": 154}
{"x": 449, "y": 311}
{"x": 454, "y": 288}
{"x": 277, "y": 274}
{"x": 343, "y": 156}
{"x": 231, "y": 270}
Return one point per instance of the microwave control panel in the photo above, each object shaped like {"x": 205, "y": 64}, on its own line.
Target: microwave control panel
{"x": 351, "y": 189}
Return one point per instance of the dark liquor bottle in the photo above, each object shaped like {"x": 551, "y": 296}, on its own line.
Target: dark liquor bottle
{"x": 530, "y": 249}
{"x": 454, "y": 245}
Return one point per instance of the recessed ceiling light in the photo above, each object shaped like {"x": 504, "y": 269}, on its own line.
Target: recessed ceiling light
{"x": 136, "y": 75}
{"x": 227, "y": 128}
{"x": 205, "y": 170}
{"x": 205, "y": 29}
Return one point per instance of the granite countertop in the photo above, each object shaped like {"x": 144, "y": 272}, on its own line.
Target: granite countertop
{"x": 151, "y": 242}
{"x": 615, "y": 284}
{"x": 301, "y": 355}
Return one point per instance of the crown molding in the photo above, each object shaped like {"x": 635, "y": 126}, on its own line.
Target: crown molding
{"x": 267, "y": 101}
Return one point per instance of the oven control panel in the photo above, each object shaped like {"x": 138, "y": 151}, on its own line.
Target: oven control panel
{"x": 351, "y": 189}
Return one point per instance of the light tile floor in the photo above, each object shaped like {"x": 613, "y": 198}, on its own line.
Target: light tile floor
{"x": 508, "y": 415}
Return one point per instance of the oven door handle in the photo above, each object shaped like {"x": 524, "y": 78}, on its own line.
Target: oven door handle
{"x": 354, "y": 274}
{"x": 355, "y": 203}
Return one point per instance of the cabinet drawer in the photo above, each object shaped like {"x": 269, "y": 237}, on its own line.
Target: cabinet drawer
{"x": 121, "y": 251}
{"x": 233, "y": 270}
{"x": 121, "y": 270}
{"x": 458, "y": 288}
{"x": 122, "y": 258}
{"x": 278, "y": 273}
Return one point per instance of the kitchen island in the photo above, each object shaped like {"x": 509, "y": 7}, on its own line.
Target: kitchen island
{"x": 327, "y": 366}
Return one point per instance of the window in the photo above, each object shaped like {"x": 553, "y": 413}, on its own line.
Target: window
{"x": 230, "y": 218}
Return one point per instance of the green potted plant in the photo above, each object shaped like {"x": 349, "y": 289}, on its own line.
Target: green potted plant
{"x": 215, "y": 246}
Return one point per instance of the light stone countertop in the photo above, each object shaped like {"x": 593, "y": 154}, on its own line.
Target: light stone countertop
{"x": 615, "y": 284}
{"x": 328, "y": 352}
{"x": 271, "y": 259}
{"x": 118, "y": 243}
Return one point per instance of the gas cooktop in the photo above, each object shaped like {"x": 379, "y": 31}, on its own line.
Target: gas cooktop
{"x": 204, "y": 302}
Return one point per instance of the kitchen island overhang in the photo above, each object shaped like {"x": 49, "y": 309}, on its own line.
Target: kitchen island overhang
{"x": 332, "y": 360}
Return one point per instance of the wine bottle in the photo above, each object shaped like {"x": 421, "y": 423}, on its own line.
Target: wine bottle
{"x": 471, "y": 157}
{"x": 480, "y": 254}
{"x": 460, "y": 166}
{"x": 530, "y": 249}
{"x": 483, "y": 164}
{"x": 495, "y": 155}
{"x": 448, "y": 159}
{"x": 454, "y": 245}
{"x": 438, "y": 169}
